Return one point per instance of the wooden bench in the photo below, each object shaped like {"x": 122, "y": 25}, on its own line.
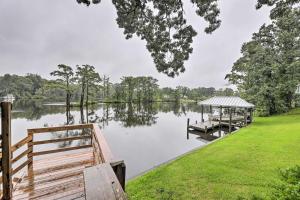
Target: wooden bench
{"x": 101, "y": 183}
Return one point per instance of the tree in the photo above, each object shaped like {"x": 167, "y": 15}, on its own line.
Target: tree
{"x": 269, "y": 70}
{"x": 87, "y": 77}
{"x": 65, "y": 78}
{"x": 164, "y": 27}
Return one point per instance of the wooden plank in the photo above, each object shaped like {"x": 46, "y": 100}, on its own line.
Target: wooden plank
{"x": 119, "y": 168}
{"x": 20, "y": 144}
{"x": 101, "y": 183}
{"x": 61, "y": 140}
{"x": 6, "y": 150}
{"x": 24, "y": 164}
{"x": 21, "y": 155}
{"x": 60, "y": 150}
{"x": 104, "y": 149}
{"x": 59, "y": 128}
{"x": 54, "y": 189}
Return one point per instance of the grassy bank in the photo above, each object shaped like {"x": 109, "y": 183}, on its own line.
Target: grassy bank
{"x": 242, "y": 164}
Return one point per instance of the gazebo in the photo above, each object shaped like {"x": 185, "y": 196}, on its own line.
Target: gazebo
{"x": 237, "y": 112}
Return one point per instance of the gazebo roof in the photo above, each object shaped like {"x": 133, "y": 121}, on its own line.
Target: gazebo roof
{"x": 227, "y": 102}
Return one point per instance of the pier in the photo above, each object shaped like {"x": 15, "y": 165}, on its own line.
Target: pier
{"x": 84, "y": 171}
{"x": 234, "y": 112}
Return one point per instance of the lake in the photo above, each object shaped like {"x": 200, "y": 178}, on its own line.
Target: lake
{"x": 143, "y": 135}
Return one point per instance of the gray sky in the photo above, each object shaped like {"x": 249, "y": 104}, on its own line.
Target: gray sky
{"x": 37, "y": 35}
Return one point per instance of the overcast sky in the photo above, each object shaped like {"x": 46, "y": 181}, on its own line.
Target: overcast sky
{"x": 37, "y": 35}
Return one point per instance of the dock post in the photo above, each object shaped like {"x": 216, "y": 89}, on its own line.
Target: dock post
{"x": 187, "y": 129}
{"x": 245, "y": 117}
{"x": 6, "y": 162}
{"x": 220, "y": 119}
{"x": 230, "y": 119}
{"x": 202, "y": 120}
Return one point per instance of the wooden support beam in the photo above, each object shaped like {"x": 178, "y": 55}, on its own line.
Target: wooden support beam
{"x": 30, "y": 150}
{"x": 20, "y": 144}
{"x": 188, "y": 124}
{"x": 220, "y": 124}
{"x": 84, "y": 137}
{"x": 119, "y": 168}
{"x": 60, "y": 128}
{"x": 230, "y": 119}
{"x": 39, "y": 153}
{"x": 6, "y": 163}
{"x": 245, "y": 116}
{"x": 202, "y": 120}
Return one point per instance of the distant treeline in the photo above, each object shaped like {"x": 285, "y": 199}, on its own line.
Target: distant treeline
{"x": 129, "y": 89}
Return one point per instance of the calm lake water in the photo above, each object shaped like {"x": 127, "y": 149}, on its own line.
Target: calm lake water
{"x": 144, "y": 136}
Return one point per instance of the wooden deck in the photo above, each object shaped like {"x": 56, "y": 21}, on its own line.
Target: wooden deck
{"x": 59, "y": 173}
{"x": 204, "y": 126}
{"x": 55, "y": 177}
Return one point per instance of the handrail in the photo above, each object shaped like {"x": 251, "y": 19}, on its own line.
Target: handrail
{"x": 20, "y": 144}
{"x": 102, "y": 153}
{"x": 100, "y": 145}
{"x": 101, "y": 150}
{"x": 61, "y": 140}
{"x": 59, "y": 128}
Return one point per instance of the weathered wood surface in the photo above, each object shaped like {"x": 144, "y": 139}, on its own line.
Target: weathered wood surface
{"x": 58, "y": 173}
{"x": 100, "y": 145}
{"x": 204, "y": 126}
{"x": 6, "y": 163}
{"x": 56, "y": 177}
{"x": 20, "y": 144}
{"x": 60, "y": 128}
{"x": 101, "y": 179}
{"x": 60, "y": 150}
{"x": 103, "y": 154}
{"x": 84, "y": 137}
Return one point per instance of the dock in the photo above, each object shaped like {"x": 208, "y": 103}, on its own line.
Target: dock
{"x": 66, "y": 172}
{"x": 204, "y": 126}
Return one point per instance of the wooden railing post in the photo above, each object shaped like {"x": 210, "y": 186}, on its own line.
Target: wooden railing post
{"x": 120, "y": 171}
{"x": 6, "y": 150}
{"x": 30, "y": 148}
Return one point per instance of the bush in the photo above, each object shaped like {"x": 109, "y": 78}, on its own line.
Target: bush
{"x": 290, "y": 188}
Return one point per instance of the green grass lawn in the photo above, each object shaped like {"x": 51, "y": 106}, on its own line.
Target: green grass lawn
{"x": 242, "y": 164}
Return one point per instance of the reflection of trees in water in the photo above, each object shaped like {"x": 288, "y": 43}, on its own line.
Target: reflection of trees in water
{"x": 70, "y": 119}
{"x": 128, "y": 114}
{"x": 33, "y": 110}
{"x": 132, "y": 115}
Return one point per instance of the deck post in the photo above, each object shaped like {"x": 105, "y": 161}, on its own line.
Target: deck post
{"x": 6, "y": 162}
{"x": 187, "y": 128}
{"x": 220, "y": 119}
{"x": 251, "y": 115}
{"x": 202, "y": 120}
{"x": 230, "y": 119}
{"x": 120, "y": 171}
{"x": 245, "y": 116}
{"x": 30, "y": 158}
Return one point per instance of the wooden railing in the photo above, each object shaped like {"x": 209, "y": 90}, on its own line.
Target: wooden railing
{"x": 100, "y": 148}
{"x": 33, "y": 142}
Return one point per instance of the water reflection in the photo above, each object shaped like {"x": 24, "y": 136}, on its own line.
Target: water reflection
{"x": 144, "y": 135}
{"x": 129, "y": 114}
